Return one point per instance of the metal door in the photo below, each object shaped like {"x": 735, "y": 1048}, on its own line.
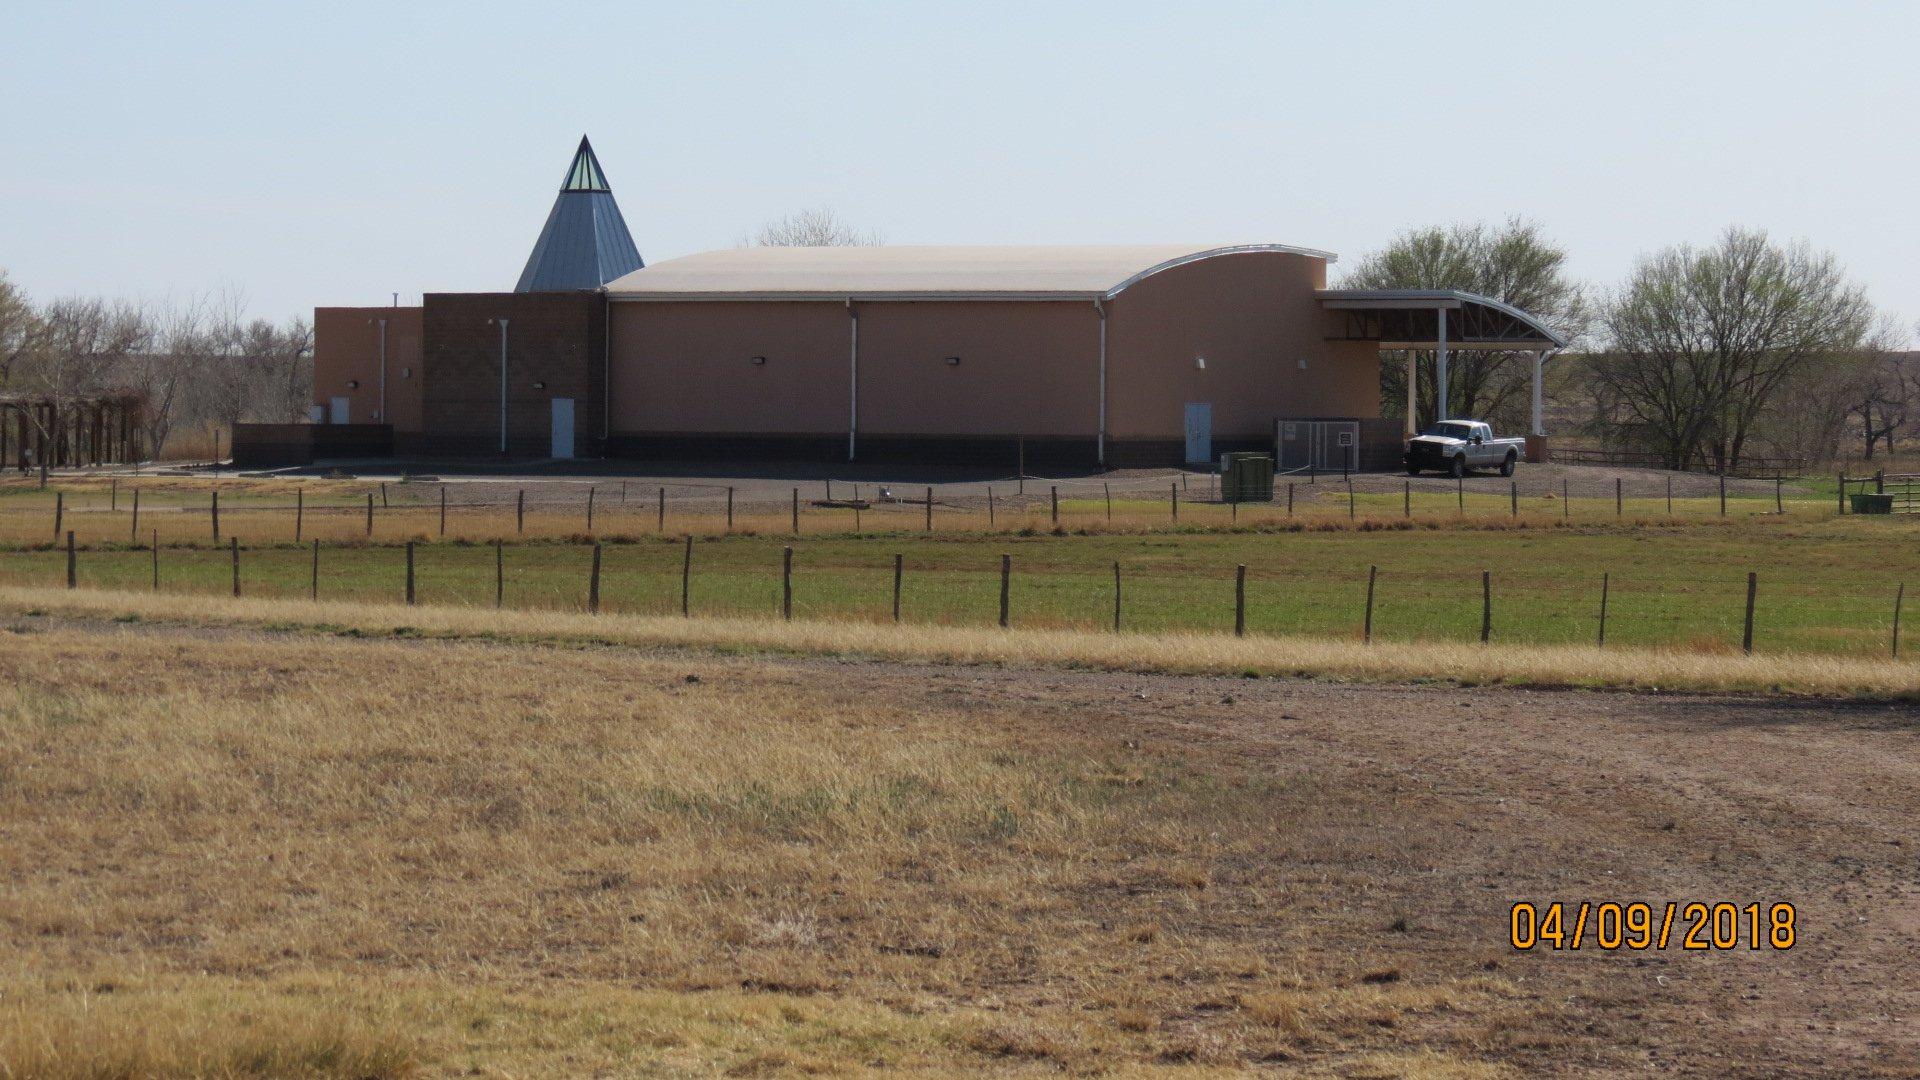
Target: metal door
{"x": 562, "y": 427}
{"x": 340, "y": 410}
{"x": 1199, "y": 433}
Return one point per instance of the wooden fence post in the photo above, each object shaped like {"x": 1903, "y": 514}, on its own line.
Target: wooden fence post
{"x": 1841, "y": 486}
{"x": 133, "y": 533}
{"x": 1460, "y": 494}
{"x": 660, "y": 523}
{"x": 989, "y": 507}
{"x": 729, "y": 509}
{"x": 113, "y": 494}
{"x": 443, "y": 509}
{"x": 1513, "y": 494}
{"x": 796, "y": 512}
{"x": 299, "y": 512}
{"x": 1619, "y": 497}
{"x": 786, "y": 583}
{"x": 898, "y": 569}
{"x": 1289, "y": 498}
{"x": 499, "y": 574}
{"x": 1406, "y": 498}
{"x": 1723, "y": 494}
{"x": 383, "y": 494}
{"x": 1746, "y": 635}
{"x": 1173, "y": 500}
{"x": 1669, "y": 496}
{"x": 593, "y": 583}
{"x": 1898, "y": 599}
{"x": 156, "y": 560}
{"x": 409, "y": 572}
{"x": 589, "y": 508}
{"x": 234, "y": 545}
{"x": 1486, "y": 606}
{"x": 1604, "y": 583}
{"x": 214, "y": 511}
{"x": 1108, "y": 489}
{"x": 520, "y": 511}
{"x": 623, "y": 493}
{"x": 1566, "y": 500}
{"x": 1006, "y": 572}
{"x": 60, "y": 513}
{"x": 929, "y": 509}
{"x": 369, "y": 513}
{"x": 1116, "y": 597}
{"x": 1240, "y": 600}
{"x": 1366, "y": 628}
{"x": 314, "y": 586}
{"x": 73, "y": 578}
{"x": 1053, "y": 493}
{"x": 686, "y": 580}
{"x": 1779, "y": 497}
{"x": 1350, "y": 509}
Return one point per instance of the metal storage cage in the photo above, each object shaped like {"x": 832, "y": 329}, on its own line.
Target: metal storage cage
{"x": 1317, "y": 445}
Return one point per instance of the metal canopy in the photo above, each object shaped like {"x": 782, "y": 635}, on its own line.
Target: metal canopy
{"x": 1411, "y": 319}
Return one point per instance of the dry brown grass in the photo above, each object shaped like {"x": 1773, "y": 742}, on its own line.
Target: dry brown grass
{"x": 1689, "y": 669}
{"x": 247, "y": 856}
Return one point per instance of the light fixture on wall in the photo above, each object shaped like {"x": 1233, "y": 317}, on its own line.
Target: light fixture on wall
{"x": 406, "y": 373}
{"x": 759, "y": 361}
{"x": 1200, "y": 363}
{"x": 953, "y": 361}
{"x": 353, "y": 384}
{"x": 539, "y": 384}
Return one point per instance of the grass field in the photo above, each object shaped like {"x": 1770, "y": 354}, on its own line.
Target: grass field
{"x": 1824, "y": 586}
{"x": 242, "y": 842}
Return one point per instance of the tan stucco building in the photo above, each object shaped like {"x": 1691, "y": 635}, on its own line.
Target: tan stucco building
{"x": 1082, "y": 356}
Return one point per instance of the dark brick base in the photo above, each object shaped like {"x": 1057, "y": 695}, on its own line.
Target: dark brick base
{"x": 264, "y": 446}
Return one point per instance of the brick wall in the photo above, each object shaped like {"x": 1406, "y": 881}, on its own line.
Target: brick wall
{"x": 555, "y": 349}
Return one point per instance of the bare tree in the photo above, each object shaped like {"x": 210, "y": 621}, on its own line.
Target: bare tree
{"x": 1704, "y": 340}
{"x": 1885, "y": 397}
{"x": 1513, "y": 263}
{"x": 22, "y": 332}
{"x": 819, "y": 226}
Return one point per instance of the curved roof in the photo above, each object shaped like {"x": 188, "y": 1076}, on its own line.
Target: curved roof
{"x": 1510, "y": 326}
{"x": 917, "y": 273}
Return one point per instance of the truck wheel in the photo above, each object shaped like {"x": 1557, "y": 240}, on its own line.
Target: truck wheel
{"x": 1413, "y": 470}
{"x": 1506, "y": 467}
{"x": 1459, "y": 467}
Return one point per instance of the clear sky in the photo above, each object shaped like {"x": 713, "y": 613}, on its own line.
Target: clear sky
{"x": 336, "y": 153}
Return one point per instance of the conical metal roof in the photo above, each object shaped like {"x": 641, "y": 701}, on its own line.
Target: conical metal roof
{"x": 585, "y": 243}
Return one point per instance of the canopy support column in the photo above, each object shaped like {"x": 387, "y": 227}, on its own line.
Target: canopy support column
{"x": 1539, "y": 360}
{"x": 1440, "y": 367}
{"x": 1411, "y": 427}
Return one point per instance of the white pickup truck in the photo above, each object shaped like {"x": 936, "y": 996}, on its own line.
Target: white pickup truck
{"x": 1454, "y": 446}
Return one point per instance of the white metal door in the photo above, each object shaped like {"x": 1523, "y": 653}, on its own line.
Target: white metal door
{"x": 1199, "y": 432}
{"x": 340, "y": 409}
{"x": 563, "y": 427}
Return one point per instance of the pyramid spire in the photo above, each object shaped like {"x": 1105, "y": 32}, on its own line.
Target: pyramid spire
{"x": 585, "y": 243}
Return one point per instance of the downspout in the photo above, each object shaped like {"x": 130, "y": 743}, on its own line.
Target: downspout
{"x": 1100, "y": 440}
{"x": 853, "y": 376}
{"x": 383, "y": 372}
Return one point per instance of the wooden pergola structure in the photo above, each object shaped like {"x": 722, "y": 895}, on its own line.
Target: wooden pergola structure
{"x": 60, "y": 430}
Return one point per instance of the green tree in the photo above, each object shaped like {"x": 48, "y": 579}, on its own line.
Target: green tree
{"x": 1705, "y": 340}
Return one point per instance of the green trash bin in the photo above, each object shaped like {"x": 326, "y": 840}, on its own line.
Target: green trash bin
{"x": 1246, "y": 478}
{"x": 1870, "y": 503}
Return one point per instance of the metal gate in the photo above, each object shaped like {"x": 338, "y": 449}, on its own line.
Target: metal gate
{"x": 1316, "y": 445}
